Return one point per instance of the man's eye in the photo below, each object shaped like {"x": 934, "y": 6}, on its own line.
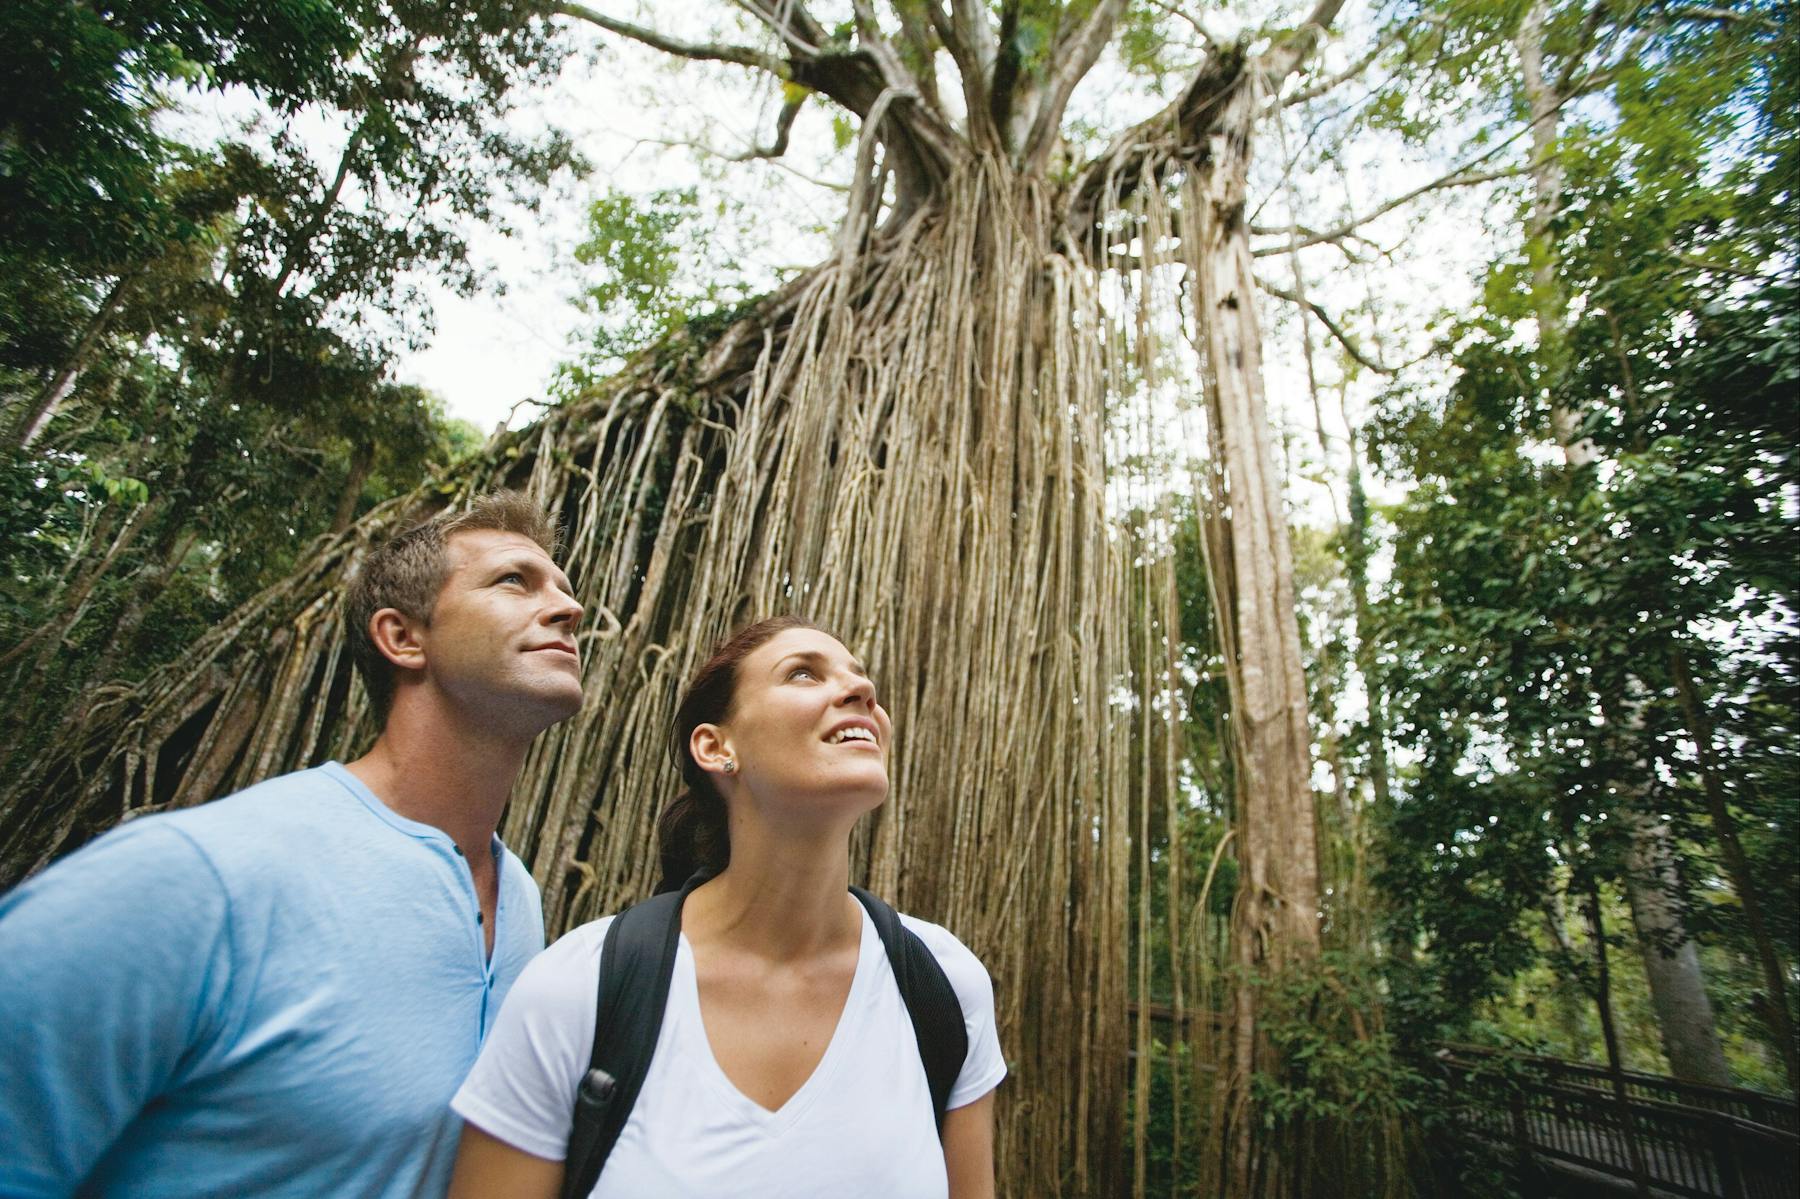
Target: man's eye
{"x": 512, "y": 576}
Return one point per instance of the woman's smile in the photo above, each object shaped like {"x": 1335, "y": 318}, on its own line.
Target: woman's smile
{"x": 858, "y": 732}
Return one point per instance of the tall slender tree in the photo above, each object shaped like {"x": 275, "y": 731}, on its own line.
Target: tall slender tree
{"x": 1624, "y": 236}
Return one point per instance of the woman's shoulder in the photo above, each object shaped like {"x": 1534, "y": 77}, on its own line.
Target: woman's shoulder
{"x": 964, "y": 970}
{"x": 580, "y": 943}
{"x": 567, "y": 970}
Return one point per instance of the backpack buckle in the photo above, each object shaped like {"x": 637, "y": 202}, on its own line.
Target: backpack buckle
{"x": 596, "y": 1089}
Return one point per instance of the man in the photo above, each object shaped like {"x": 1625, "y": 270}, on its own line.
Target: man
{"x": 277, "y": 993}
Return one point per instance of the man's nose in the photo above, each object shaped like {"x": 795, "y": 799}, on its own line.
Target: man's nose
{"x": 567, "y": 610}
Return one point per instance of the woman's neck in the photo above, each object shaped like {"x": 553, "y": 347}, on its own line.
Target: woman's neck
{"x": 779, "y": 898}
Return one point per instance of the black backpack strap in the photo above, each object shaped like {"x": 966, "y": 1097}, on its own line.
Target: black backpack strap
{"x": 937, "y": 1015}
{"x": 637, "y": 960}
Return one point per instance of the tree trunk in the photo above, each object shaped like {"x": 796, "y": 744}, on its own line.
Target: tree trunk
{"x": 1737, "y": 865}
{"x": 1276, "y": 920}
{"x": 1569, "y": 989}
{"x": 1671, "y": 963}
{"x": 1684, "y": 1014}
{"x": 362, "y": 461}
{"x": 172, "y": 551}
{"x": 75, "y": 602}
{"x": 1277, "y": 843}
{"x": 1357, "y": 560}
{"x": 50, "y": 398}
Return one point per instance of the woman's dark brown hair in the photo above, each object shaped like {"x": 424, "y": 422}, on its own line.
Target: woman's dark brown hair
{"x": 692, "y": 833}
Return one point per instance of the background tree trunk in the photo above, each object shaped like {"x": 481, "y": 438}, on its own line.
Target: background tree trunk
{"x": 1276, "y": 918}
{"x": 1684, "y": 1014}
{"x": 31, "y": 422}
{"x": 1775, "y": 1009}
{"x": 1671, "y": 963}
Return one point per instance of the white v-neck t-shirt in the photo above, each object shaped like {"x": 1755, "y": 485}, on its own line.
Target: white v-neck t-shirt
{"x": 861, "y": 1125}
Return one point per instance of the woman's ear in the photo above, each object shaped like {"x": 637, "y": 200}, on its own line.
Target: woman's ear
{"x": 396, "y": 636}
{"x": 711, "y": 750}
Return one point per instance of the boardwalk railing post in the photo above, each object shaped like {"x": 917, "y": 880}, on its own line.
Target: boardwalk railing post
{"x": 1628, "y": 1128}
{"x": 1725, "y": 1159}
{"x": 1521, "y": 1131}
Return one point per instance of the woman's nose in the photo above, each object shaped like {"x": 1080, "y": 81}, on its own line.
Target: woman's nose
{"x": 859, "y": 690}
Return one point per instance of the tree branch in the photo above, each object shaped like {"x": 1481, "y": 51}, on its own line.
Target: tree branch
{"x": 917, "y": 35}
{"x": 791, "y": 23}
{"x": 744, "y": 56}
{"x": 1723, "y": 16}
{"x": 1006, "y": 72}
{"x": 1590, "y": 30}
{"x": 921, "y": 139}
{"x": 682, "y": 143}
{"x": 1185, "y": 122}
{"x": 1569, "y": 88}
{"x": 1075, "y": 57}
{"x": 1331, "y": 327}
{"x": 968, "y": 67}
{"x": 1723, "y": 268}
{"x": 1336, "y": 243}
{"x": 1294, "y": 48}
{"x": 894, "y": 73}
{"x": 1332, "y": 82}
{"x": 1453, "y": 179}
{"x": 969, "y": 18}
{"x": 784, "y": 123}
{"x": 1212, "y": 43}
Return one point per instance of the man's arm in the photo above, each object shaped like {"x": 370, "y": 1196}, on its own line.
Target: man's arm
{"x": 969, "y": 1149}
{"x": 115, "y": 966}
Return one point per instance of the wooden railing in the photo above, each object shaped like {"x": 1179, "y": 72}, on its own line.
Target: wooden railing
{"x": 1654, "y": 1135}
{"x": 1775, "y": 1111}
{"x": 1648, "y": 1134}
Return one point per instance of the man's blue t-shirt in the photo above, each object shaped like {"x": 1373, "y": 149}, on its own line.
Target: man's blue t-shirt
{"x": 275, "y": 994}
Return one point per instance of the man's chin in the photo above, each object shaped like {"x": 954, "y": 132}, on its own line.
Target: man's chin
{"x": 545, "y": 707}
{"x": 564, "y": 706}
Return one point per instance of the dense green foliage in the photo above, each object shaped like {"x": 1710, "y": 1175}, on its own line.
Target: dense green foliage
{"x": 1541, "y": 612}
{"x": 1512, "y": 648}
{"x": 196, "y": 336}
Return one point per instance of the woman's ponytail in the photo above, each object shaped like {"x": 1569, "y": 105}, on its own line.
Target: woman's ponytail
{"x": 694, "y": 832}
{"x": 692, "y": 835}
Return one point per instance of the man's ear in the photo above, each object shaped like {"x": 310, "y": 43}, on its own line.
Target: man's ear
{"x": 396, "y": 635}
{"x": 712, "y": 750}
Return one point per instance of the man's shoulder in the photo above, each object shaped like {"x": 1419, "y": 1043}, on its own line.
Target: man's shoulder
{"x": 286, "y": 797}
{"x": 258, "y": 824}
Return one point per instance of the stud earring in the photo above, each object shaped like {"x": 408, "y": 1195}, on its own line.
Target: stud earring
{"x": 730, "y": 766}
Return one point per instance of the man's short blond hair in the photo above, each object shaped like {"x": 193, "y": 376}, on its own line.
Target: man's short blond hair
{"x": 407, "y": 573}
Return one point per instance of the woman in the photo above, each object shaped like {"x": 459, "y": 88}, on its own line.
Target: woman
{"x": 786, "y": 1065}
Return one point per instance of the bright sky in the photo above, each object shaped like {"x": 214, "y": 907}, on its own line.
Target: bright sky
{"x": 637, "y": 116}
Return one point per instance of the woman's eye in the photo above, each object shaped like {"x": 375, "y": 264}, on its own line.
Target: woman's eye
{"x": 798, "y": 671}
